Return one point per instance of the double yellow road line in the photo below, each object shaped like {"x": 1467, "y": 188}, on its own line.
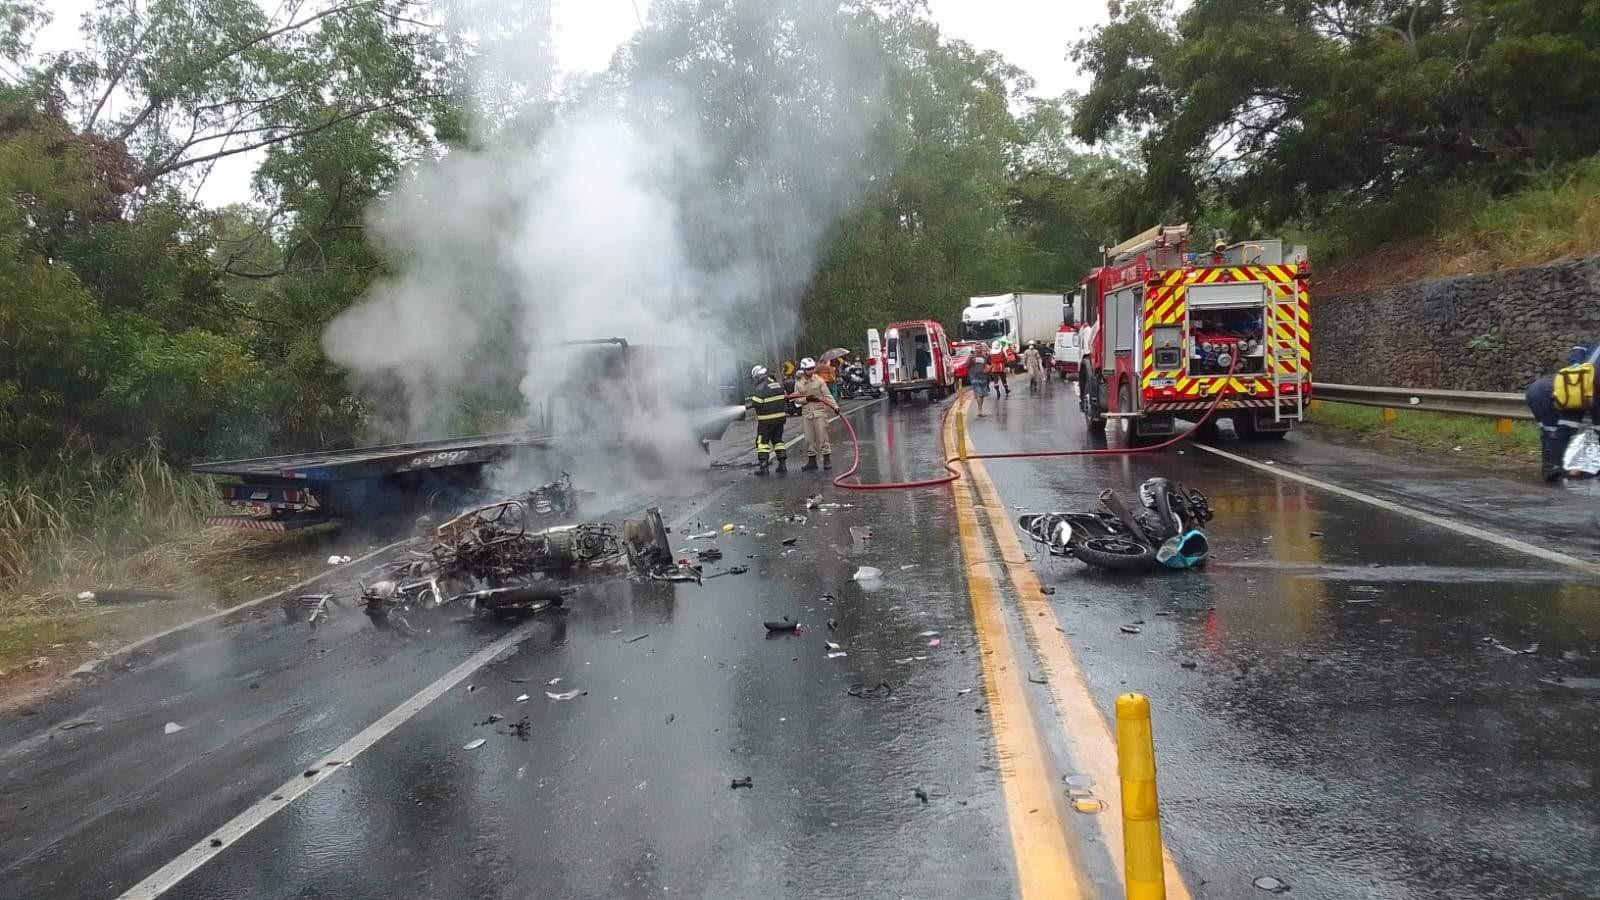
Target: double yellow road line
{"x": 1051, "y": 855}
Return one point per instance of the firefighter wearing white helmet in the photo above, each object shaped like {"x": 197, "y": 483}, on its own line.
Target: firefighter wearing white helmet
{"x": 771, "y": 408}
{"x": 813, "y": 392}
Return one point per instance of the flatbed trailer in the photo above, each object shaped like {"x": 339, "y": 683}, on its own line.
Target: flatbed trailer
{"x": 282, "y": 493}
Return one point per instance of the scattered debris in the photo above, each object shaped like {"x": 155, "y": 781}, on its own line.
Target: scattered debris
{"x": 523, "y": 698}
{"x": 493, "y": 718}
{"x": 731, "y": 570}
{"x": 831, "y": 645}
{"x": 1188, "y": 665}
{"x": 474, "y": 744}
{"x": 882, "y": 689}
{"x": 1130, "y": 629}
{"x": 785, "y": 625}
{"x": 789, "y": 542}
{"x": 81, "y": 723}
{"x": 1047, "y": 590}
{"x": 216, "y": 842}
{"x": 1267, "y": 882}
{"x": 833, "y": 625}
{"x": 670, "y": 717}
{"x": 1316, "y": 534}
{"x": 813, "y": 501}
{"x": 566, "y": 695}
{"x": 728, "y": 528}
{"x": 172, "y": 728}
{"x": 928, "y": 634}
{"x": 860, "y": 534}
{"x": 920, "y": 794}
{"x": 1038, "y": 679}
{"x": 710, "y": 554}
{"x": 553, "y": 682}
{"x": 933, "y": 642}
{"x": 312, "y": 609}
{"x": 86, "y": 596}
{"x": 746, "y": 782}
{"x": 1495, "y": 643}
{"x": 337, "y": 560}
{"x": 636, "y": 638}
{"x": 837, "y": 654}
{"x": 523, "y": 729}
{"x": 963, "y": 692}
{"x": 867, "y": 573}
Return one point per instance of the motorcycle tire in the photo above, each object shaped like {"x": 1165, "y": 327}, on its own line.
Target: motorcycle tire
{"x": 1117, "y": 554}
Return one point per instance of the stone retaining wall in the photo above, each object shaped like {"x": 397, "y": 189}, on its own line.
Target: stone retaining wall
{"x": 1494, "y": 332}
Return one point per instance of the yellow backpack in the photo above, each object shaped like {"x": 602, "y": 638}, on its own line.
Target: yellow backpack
{"x": 1575, "y": 387}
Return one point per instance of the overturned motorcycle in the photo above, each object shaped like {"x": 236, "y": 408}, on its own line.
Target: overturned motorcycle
{"x": 1165, "y": 531}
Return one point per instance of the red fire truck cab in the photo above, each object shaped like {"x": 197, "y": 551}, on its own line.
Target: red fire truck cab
{"x": 1168, "y": 330}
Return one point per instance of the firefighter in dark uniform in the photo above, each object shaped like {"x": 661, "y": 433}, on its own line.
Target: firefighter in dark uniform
{"x": 771, "y": 406}
{"x": 1557, "y": 426}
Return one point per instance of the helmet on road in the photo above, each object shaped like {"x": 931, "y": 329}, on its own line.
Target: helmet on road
{"x": 808, "y": 364}
{"x": 758, "y": 372}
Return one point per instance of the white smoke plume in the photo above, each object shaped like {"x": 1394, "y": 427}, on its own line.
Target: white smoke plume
{"x": 631, "y": 215}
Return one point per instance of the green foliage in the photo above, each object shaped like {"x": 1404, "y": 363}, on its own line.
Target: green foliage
{"x": 1290, "y": 109}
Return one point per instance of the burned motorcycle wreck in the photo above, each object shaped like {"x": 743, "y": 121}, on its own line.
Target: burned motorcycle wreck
{"x": 489, "y": 560}
{"x": 1165, "y": 531}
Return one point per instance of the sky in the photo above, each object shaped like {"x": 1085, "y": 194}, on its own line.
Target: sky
{"x": 1031, "y": 34}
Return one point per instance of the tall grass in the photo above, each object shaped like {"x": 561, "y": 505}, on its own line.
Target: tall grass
{"x": 1461, "y": 227}
{"x": 79, "y": 518}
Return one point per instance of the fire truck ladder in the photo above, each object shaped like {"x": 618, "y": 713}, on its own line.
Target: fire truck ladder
{"x": 1283, "y": 348}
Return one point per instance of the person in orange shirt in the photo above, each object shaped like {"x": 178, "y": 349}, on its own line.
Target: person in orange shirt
{"x": 829, "y": 375}
{"x": 997, "y": 368}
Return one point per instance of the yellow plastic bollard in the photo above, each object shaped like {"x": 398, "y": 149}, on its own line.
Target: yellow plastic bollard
{"x": 1390, "y": 414}
{"x": 961, "y": 425}
{"x": 1502, "y": 426}
{"x": 1316, "y": 405}
{"x": 1141, "y": 813}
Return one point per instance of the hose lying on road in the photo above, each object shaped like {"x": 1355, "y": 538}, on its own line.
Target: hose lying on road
{"x": 952, "y": 474}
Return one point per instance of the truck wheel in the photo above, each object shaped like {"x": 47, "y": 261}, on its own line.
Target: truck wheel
{"x": 1093, "y": 420}
{"x": 894, "y": 397}
{"x": 1131, "y": 426}
{"x": 1247, "y": 431}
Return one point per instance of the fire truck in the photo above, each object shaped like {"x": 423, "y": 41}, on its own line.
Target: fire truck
{"x": 1168, "y": 330}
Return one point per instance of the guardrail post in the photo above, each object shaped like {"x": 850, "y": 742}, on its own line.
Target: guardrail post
{"x": 1502, "y": 426}
{"x": 1390, "y": 414}
{"x": 1141, "y": 813}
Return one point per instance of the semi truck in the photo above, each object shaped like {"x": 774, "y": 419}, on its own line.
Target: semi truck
{"x": 1015, "y": 318}
{"x": 1170, "y": 332}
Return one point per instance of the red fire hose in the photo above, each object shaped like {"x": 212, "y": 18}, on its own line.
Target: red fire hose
{"x": 952, "y": 474}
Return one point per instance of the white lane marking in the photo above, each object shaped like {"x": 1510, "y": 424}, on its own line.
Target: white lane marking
{"x": 166, "y": 877}
{"x": 1499, "y": 540}
{"x": 801, "y": 437}
{"x": 93, "y": 665}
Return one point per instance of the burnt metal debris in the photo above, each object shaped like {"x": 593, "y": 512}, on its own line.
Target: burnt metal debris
{"x": 497, "y": 560}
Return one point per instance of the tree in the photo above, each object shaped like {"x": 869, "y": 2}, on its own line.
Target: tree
{"x": 1289, "y": 106}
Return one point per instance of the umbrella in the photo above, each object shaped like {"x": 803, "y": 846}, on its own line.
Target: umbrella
{"x": 832, "y": 355}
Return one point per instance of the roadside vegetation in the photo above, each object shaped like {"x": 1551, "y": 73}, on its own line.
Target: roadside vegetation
{"x": 1442, "y": 435}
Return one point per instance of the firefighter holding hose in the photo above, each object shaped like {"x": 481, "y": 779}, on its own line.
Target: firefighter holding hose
{"x": 813, "y": 392}
{"x": 771, "y": 407}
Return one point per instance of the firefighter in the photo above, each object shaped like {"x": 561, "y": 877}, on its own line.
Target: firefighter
{"x": 812, "y": 391}
{"x": 771, "y": 408}
{"x": 1557, "y": 426}
{"x": 1034, "y": 363}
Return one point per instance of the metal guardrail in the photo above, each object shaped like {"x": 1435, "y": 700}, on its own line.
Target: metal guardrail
{"x": 1487, "y": 404}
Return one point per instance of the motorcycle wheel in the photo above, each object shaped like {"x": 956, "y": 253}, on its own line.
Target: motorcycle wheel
{"x": 1118, "y": 554}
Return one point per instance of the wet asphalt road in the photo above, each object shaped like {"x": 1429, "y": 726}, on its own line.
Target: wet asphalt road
{"x": 1384, "y": 710}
